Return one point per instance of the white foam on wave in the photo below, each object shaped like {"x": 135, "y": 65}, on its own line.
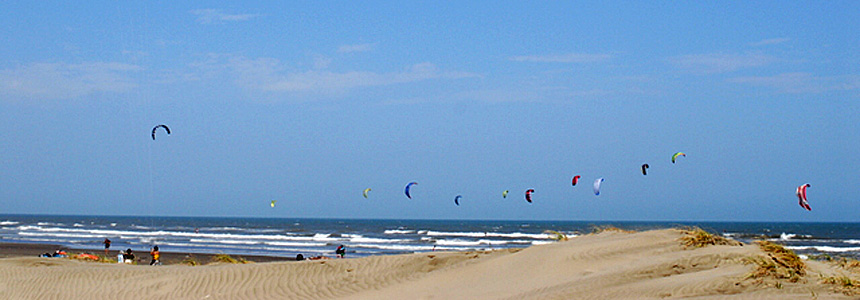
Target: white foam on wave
{"x": 412, "y": 247}
{"x": 265, "y": 230}
{"x": 398, "y": 231}
{"x": 462, "y": 242}
{"x": 789, "y": 236}
{"x": 233, "y": 242}
{"x": 9, "y": 223}
{"x": 491, "y": 234}
{"x": 53, "y": 241}
{"x": 226, "y": 228}
{"x": 824, "y": 248}
{"x": 457, "y": 242}
{"x": 76, "y": 232}
{"x": 361, "y": 239}
{"x": 65, "y": 235}
{"x": 147, "y": 240}
{"x": 296, "y": 244}
{"x": 273, "y": 250}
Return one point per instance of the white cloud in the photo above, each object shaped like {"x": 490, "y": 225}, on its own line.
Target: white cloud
{"x": 212, "y": 16}
{"x": 321, "y": 61}
{"x": 773, "y": 41}
{"x": 563, "y": 58}
{"x": 799, "y": 82}
{"x": 719, "y": 63}
{"x": 355, "y": 48}
{"x": 268, "y": 74}
{"x": 62, "y": 81}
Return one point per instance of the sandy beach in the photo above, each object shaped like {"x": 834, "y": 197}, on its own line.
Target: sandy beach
{"x": 142, "y": 256}
{"x": 608, "y": 265}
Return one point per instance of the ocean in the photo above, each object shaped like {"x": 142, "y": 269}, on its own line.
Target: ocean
{"x": 364, "y": 237}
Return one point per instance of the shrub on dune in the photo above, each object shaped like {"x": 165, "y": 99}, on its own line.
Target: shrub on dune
{"x": 189, "y": 261}
{"x": 780, "y": 263}
{"x": 696, "y": 237}
{"x": 609, "y": 228}
{"x": 224, "y": 258}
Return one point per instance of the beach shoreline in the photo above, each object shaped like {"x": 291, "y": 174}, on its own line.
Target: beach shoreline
{"x": 614, "y": 264}
{"x": 142, "y": 257}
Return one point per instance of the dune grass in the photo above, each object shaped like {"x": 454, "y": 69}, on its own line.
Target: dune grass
{"x": 779, "y": 264}
{"x": 608, "y": 228}
{"x": 189, "y": 261}
{"x": 224, "y": 258}
{"x": 695, "y": 237}
{"x": 558, "y": 235}
{"x": 107, "y": 259}
{"x": 845, "y": 284}
{"x": 850, "y": 264}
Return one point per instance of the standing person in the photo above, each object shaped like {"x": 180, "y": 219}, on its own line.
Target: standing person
{"x": 107, "y": 246}
{"x": 341, "y": 251}
{"x": 155, "y": 256}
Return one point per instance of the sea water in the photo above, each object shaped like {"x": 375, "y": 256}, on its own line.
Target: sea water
{"x": 311, "y": 237}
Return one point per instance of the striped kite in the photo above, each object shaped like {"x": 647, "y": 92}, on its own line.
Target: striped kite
{"x": 801, "y": 196}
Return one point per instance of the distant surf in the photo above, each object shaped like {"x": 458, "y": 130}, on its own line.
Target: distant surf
{"x": 288, "y": 237}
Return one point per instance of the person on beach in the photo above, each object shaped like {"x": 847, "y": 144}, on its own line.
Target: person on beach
{"x": 155, "y": 256}
{"x": 341, "y": 251}
{"x": 128, "y": 257}
{"x": 107, "y": 246}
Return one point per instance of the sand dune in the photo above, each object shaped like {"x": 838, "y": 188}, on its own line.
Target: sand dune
{"x": 611, "y": 265}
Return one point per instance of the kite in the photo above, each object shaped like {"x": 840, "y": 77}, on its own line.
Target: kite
{"x": 365, "y": 192}
{"x": 801, "y": 196}
{"x": 597, "y": 186}
{"x": 273, "y": 203}
{"x": 676, "y": 155}
{"x": 645, "y": 166}
{"x": 457, "y": 200}
{"x": 529, "y": 195}
{"x": 407, "y": 189}
{"x": 505, "y": 194}
{"x": 156, "y": 127}
{"x": 575, "y": 180}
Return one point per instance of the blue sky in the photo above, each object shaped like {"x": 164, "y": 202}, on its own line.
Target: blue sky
{"x": 311, "y": 103}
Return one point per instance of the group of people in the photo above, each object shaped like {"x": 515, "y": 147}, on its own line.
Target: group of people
{"x": 128, "y": 256}
{"x": 58, "y": 253}
{"x": 340, "y": 252}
